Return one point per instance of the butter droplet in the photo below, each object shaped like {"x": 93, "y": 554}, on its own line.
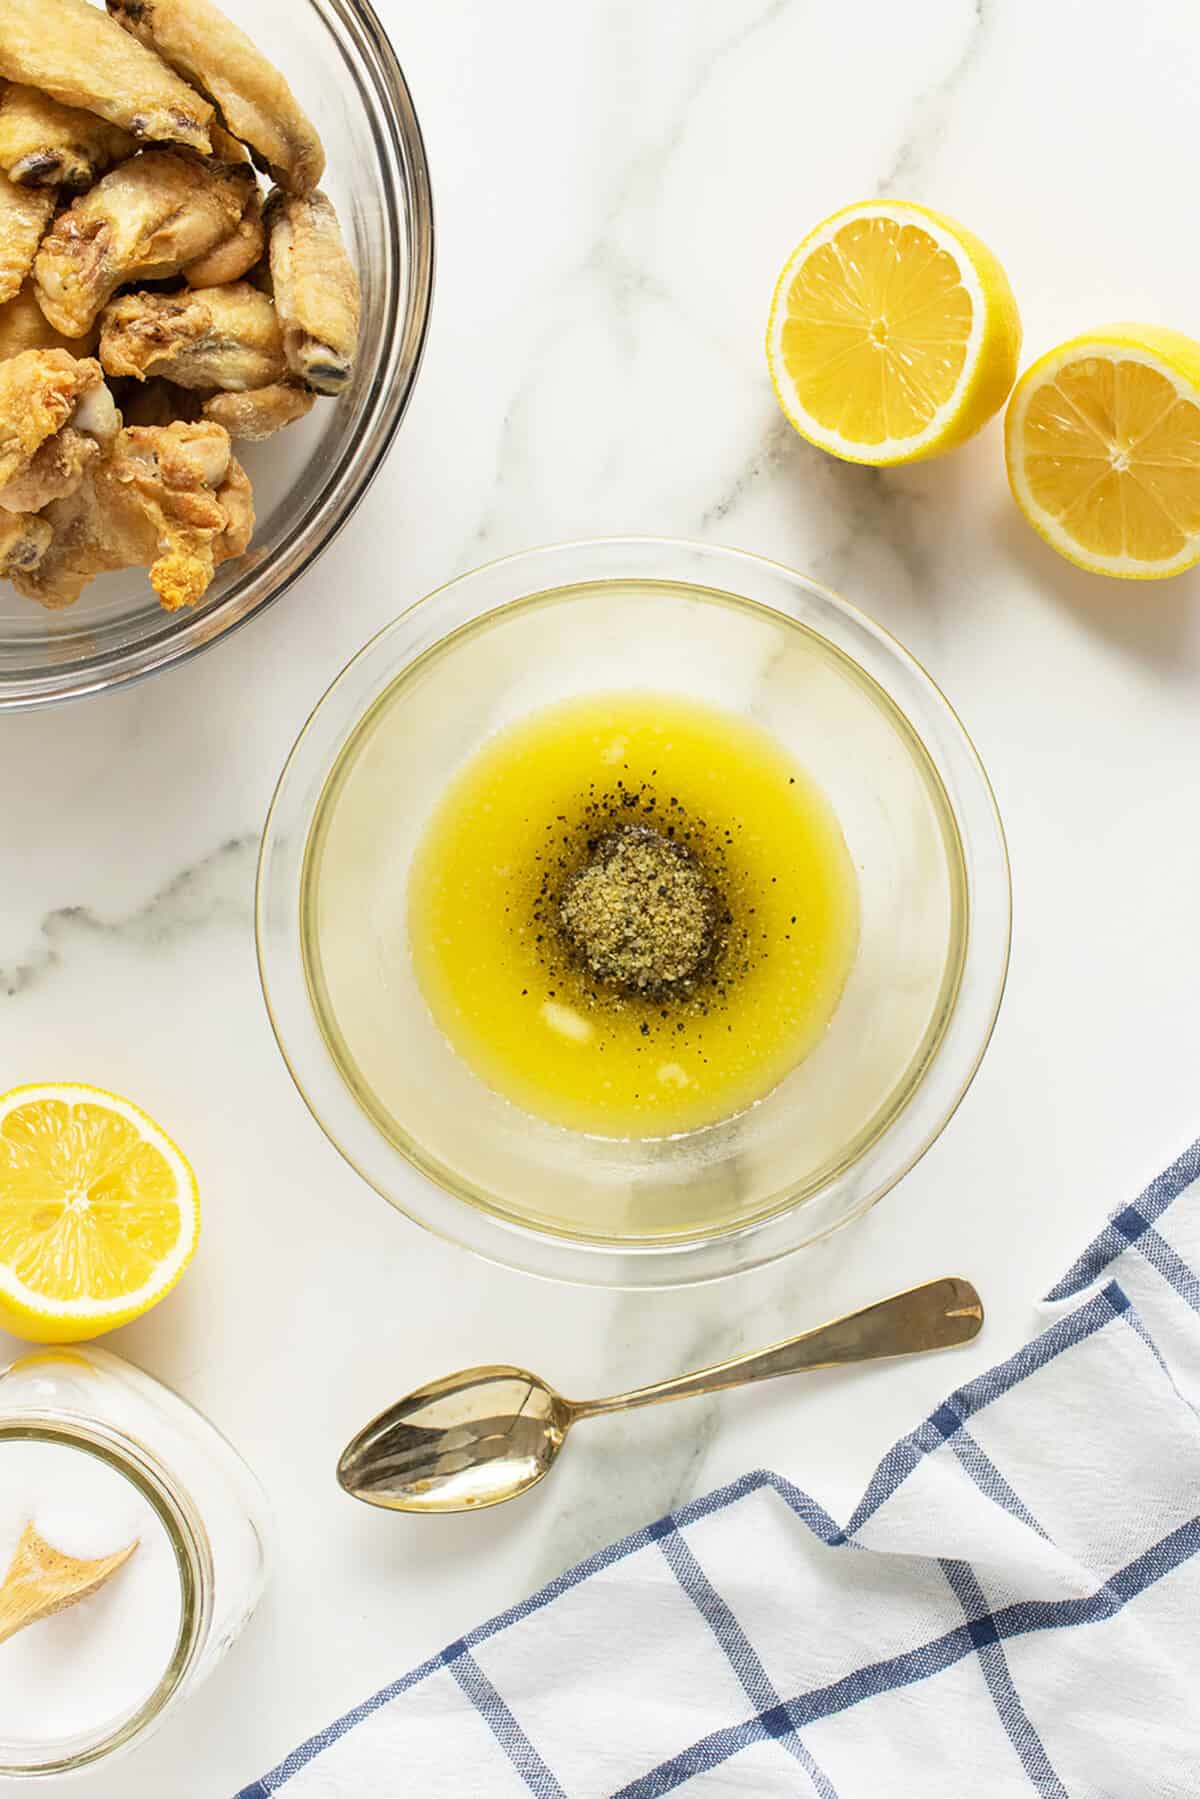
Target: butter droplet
{"x": 567, "y": 1022}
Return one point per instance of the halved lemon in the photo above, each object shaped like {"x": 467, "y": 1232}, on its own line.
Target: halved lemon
{"x": 1102, "y": 441}
{"x": 99, "y": 1212}
{"x": 893, "y": 334}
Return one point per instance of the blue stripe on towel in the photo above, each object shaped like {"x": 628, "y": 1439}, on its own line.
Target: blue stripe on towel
{"x": 1116, "y": 1236}
{"x": 499, "y": 1719}
{"x": 743, "y": 1658}
{"x": 931, "y": 1658}
{"x": 1018, "y": 1725}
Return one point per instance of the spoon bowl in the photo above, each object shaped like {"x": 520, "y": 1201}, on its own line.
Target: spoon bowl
{"x": 485, "y": 1435}
{"x": 472, "y": 1439}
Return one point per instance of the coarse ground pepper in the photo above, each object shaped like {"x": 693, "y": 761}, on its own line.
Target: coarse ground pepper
{"x": 640, "y": 914}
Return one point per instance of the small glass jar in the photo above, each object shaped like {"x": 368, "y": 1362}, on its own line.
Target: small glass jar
{"x": 81, "y": 1432}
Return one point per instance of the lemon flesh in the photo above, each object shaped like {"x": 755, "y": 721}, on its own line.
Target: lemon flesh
{"x": 1103, "y": 448}
{"x": 98, "y": 1212}
{"x": 893, "y": 334}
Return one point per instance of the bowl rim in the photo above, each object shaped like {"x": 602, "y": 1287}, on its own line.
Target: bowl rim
{"x": 955, "y": 1059}
{"x": 394, "y": 383}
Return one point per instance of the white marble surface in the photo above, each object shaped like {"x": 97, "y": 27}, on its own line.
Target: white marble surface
{"x": 616, "y": 184}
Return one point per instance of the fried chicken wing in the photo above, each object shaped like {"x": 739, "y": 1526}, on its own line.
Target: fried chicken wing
{"x": 250, "y": 417}
{"x": 171, "y": 498}
{"x": 43, "y": 144}
{"x": 24, "y": 326}
{"x": 24, "y": 540}
{"x": 146, "y": 220}
{"x": 81, "y": 57}
{"x": 235, "y": 255}
{"x": 80, "y": 546}
{"x": 39, "y": 393}
{"x": 225, "y": 337}
{"x": 255, "y": 101}
{"x": 25, "y": 213}
{"x": 236, "y": 496}
{"x": 189, "y": 488}
{"x": 55, "y": 416}
{"x": 316, "y": 290}
{"x": 52, "y": 472}
{"x": 58, "y": 466}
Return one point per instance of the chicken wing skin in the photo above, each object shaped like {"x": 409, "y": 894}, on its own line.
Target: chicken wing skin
{"x": 255, "y": 101}
{"x": 316, "y": 290}
{"x": 81, "y": 545}
{"x": 43, "y": 144}
{"x": 39, "y": 393}
{"x": 24, "y": 326}
{"x": 226, "y": 337}
{"x": 250, "y": 417}
{"x": 171, "y": 498}
{"x": 189, "y": 488}
{"x": 24, "y": 540}
{"x": 81, "y": 57}
{"x": 236, "y": 496}
{"x": 25, "y": 213}
{"x": 52, "y": 472}
{"x": 235, "y": 255}
{"x": 35, "y": 392}
{"x": 145, "y": 220}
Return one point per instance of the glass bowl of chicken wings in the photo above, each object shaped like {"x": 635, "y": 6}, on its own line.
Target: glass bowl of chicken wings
{"x": 216, "y": 265}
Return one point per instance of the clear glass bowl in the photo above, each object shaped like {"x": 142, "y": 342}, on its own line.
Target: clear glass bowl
{"x": 309, "y": 478}
{"x": 652, "y": 616}
{"x": 84, "y": 1402}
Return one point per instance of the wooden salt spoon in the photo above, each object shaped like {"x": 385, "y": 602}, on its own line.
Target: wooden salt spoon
{"x": 41, "y": 1580}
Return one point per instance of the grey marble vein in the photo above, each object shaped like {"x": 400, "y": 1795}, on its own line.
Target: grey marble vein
{"x": 876, "y": 505}
{"x": 652, "y": 1460}
{"x": 931, "y": 112}
{"x": 604, "y": 269}
{"x": 770, "y": 451}
{"x": 647, "y": 168}
{"x": 217, "y": 890}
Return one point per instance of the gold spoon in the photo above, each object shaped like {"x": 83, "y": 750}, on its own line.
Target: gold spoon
{"x": 485, "y": 1435}
{"x": 41, "y": 1580}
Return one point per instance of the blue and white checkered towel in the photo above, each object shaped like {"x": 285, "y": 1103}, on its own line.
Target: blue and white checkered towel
{"x": 1013, "y": 1608}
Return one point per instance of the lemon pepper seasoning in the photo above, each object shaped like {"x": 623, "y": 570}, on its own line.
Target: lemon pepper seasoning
{"x": 640, "y": 914}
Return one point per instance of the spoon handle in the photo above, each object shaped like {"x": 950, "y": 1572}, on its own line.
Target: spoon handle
{"x": 936, "y": 1316}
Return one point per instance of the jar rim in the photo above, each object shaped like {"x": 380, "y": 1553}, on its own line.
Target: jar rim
{"x": 192, "y": 1551}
